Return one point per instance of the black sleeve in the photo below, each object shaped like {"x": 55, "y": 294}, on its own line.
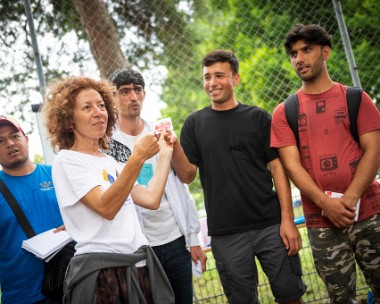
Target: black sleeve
{"x": 188, "y": 140}
{"x": 270, "y": 153}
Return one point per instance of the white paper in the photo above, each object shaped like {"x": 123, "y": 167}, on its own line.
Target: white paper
{"x": 333, "y": 194}
{"x": 357, "y": 210}
{"x": 197, "y": 269}
{"x": 46, "y": 244}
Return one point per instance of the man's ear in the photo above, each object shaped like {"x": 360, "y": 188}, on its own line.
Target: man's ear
{"x": 236, "y": 79}
{"x": 326, "y": 51}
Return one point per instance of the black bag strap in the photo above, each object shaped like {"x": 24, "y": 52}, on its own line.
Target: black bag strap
{"x": 291, "y": 114}
{"x": 354, "y": 98}
{"x": 20, "y": 215}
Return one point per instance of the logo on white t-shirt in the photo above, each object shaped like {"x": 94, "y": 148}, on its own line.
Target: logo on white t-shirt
{"x": 109, "y": 178}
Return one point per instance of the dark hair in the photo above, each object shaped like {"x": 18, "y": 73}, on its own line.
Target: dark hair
{"x": 126, "y": 76}
{"x": 58, "y": 109}
{"x": 221, "y": 56}
{"x": 312, "y": 33}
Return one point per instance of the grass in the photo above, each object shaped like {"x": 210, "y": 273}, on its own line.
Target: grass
{"x": 209, "y": 290}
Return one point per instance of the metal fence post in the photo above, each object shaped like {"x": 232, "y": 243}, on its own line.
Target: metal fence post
{"x": 346, "y": 44}
{"x": 48, "y": 152}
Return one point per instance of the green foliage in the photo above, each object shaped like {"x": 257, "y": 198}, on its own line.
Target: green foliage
{"x": 255, "y": 30}
{"x": 176, "y": 34}
{"x": 38, "y": 159}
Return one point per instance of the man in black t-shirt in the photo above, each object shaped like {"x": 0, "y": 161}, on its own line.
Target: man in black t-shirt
{"x": 229, "y": 143}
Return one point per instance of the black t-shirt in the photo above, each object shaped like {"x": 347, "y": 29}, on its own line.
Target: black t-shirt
{"x": 231, "y": 149}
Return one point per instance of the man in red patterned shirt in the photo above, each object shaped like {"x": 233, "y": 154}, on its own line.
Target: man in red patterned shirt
{"x": 335, "y": 174}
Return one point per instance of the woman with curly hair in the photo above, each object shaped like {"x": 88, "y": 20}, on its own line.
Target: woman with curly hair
{"x": 113, "y": 263}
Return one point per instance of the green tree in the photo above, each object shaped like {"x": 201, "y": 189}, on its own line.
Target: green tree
{"x": 174, "y": 35}
{"x": 136, "y": 35}
{"x": 255, "y": 31}
{"x": 38, "y": 159}
{"x": 155, "y": 33}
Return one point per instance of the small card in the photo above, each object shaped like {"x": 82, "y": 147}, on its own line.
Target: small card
{"x": 333, "y": 194}
{"x": 163, "y": 125}
{"x": 338, "y": 195}
{"x": 197, "y": 269}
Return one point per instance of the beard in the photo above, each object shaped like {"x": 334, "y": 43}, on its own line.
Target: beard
{"x": 314, "y": 73}
{"x": 309, "y": 77}
{"x": 134, "y": 112}
{"x": 17, "y": 163}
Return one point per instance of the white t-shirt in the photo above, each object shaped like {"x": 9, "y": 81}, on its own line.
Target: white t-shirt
{"x": 74, "y": 175}
{"x": 160, "y": 226}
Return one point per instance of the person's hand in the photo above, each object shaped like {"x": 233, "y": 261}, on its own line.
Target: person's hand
{"x": 339, "y": 212}
{"x": 165, "y": 142}
{"x": 60, "y": 228}
{"x": 197, "y": 254}
{"x": 291, "y": 237}
{"x": 170, "y": 137}
{"x": 350, "y": 202}
{"x": 146, "y": 146}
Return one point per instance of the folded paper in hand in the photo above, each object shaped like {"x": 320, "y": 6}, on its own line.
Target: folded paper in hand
{"x": 197, "y": 269}
{"x": 46, "y": 244}
{"x": 339, "y": 195}
{"x": 163, "y": 125}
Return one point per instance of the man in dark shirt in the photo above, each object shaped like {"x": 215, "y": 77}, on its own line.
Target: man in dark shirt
{"x": 229, "y": 142}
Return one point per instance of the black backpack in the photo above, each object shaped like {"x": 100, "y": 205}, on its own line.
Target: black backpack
{"x": 353, "y": 97}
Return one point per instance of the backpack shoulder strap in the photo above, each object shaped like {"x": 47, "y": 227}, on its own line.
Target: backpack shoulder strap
{"x": 354, "y": 98}
{"x": 291, "y": 114}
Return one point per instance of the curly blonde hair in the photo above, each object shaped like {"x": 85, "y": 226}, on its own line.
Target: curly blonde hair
{"x": 59, "y": 105}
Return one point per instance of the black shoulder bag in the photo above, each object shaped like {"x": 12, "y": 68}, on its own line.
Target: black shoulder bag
{"x": 55, "y": 269}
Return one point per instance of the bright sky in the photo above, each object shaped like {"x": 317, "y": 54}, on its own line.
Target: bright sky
{"x": 35, "y": 146}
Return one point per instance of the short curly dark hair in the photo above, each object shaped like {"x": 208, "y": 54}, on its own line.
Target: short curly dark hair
{"x": 59, "y": 106}
{"x": 126, "y": 76}
{"x": 221, "y": 56}
{"x": 312, "y": 33}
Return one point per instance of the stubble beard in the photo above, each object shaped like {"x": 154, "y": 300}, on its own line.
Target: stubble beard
{"x": 315, "y": 72}
{"x": 131, "y": 114}
{"x": 16, "y": 163}
{"x": 134, "y": 114}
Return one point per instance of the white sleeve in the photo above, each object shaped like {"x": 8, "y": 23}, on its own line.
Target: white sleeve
{"x": 72, "y": 178}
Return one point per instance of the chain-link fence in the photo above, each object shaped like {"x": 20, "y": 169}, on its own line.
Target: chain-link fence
{"x": 166, "y": 40}
{"x": 255, "y": 31}
{"x": 208, "y": 289}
